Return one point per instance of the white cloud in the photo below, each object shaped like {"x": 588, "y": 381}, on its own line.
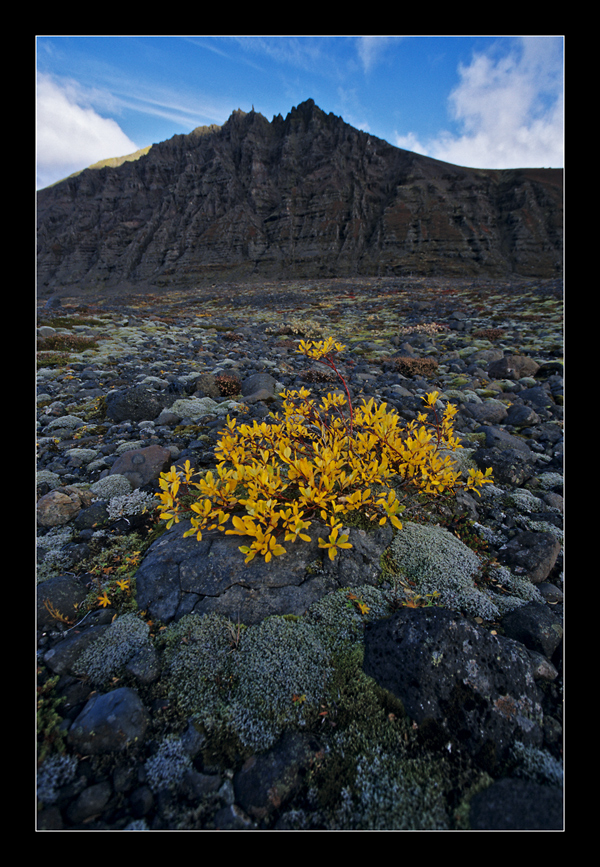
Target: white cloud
{"x": 71, "y": 135}
{"x": 509, "y": 110}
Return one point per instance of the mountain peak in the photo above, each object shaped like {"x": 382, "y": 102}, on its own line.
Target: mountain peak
{"x": 308, "y": 196}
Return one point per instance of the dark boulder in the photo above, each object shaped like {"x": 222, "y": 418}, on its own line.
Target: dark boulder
{"x": 465, "y": 688}
{"x": 137, "y": 403}
{"x": 517, "y": 805}
{"x": 181, "y": 575}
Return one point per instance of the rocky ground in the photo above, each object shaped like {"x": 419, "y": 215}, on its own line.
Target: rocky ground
{"x": 415, "y": 685}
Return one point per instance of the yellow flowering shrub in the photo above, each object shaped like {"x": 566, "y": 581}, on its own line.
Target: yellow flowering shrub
{"x": 323, "y": 459}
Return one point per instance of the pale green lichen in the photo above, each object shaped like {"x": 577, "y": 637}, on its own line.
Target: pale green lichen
{"x": 200, "y": 666}
{"x": 283, "y": 669}
{"x": 55, "y": 771}
{"x": 394, "y": 794}
{"x": 135, "y": 503}
{"x": 338, "y": 618}
{"x": 111, "y": 486}
{"x": 112, "y": 650}
{"x": 250, "y": 683}
{"x": 55, "y": 558}
{"x": 168, "y": 766}
{"x": 437, "y": 562}
{"x": 535, "y": 764}
{"x": 524, "y": 501}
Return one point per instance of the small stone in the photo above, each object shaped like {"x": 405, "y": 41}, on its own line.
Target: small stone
{"x": 512, "y": 367}
{"x": 257, "y": 382}
{"x": 57, "y": 508}
{"x": 140, "y": 466}
{"x": 91, "y": 802}
{"x": 534, "y": 626}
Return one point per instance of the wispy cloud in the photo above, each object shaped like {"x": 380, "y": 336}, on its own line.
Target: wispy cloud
{"x": 509, "y": 109}
{"x": 71, "y": 134}
{"x": 73, "y": 131}
{"x": 371, "y": 48}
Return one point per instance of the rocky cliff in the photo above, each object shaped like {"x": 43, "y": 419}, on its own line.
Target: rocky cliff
{"x": 305, "y": 196}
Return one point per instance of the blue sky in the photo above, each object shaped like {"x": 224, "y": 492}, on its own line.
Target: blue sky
{"x": 479, "y": 101}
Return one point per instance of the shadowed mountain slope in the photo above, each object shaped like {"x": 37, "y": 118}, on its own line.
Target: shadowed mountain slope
{"x": 303, "y": 196}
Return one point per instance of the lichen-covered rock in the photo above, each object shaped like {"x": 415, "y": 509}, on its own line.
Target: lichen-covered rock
{"x": 111, "y": 486}
{"x": 168, "y": 766}
{"x": 473, "y": 690}
{"x": 193, "y": 407}
{"x": 393, "y": 793}
{"x": 510, "y": 466}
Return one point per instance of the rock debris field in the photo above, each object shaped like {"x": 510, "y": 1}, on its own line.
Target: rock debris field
{"x": 413, "y": 683}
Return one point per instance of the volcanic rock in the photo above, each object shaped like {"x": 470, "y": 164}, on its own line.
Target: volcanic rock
{"x": 471, "y": 689}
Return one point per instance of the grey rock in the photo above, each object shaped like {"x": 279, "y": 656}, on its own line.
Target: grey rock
{"x": 497, "y": 437}
{"x": 490, "y": 411}
{"x": 94, "y": 516}
{"x": 179, "y": 576}
{"x": 63, "y": 593}
{"x": 90, "y": 803}
{"x": 62, "y": 658}
{"x": 145, "y": 665}
{"x": 268, "y": 780}
{"x": 537, "y": 395}
{"x": 140, "y": 466}
{"x": 513, "y": 367}
{"x": 510, "y": 466}
{"x": 532, "y": 553}
{"x": 109, "y": 723}
{"x": 534, "y": 626}
{"x": 258, "y": 382}
{"x": 233, "y": 818}
{"x": 264, "y": 394}
{"x": 521, "y": 415}
{"x": 206, "y": 386}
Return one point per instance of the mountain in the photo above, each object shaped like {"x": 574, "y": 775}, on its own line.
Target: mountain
{"x": 305, "y": 196}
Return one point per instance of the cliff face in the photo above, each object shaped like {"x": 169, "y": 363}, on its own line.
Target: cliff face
{"x": 305, "y": 196}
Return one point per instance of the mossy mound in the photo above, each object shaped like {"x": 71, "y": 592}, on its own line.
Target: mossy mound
{"x": 437, "y": 562}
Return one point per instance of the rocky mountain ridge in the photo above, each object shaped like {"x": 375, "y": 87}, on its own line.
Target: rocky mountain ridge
{"x": 304, "y": 196}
